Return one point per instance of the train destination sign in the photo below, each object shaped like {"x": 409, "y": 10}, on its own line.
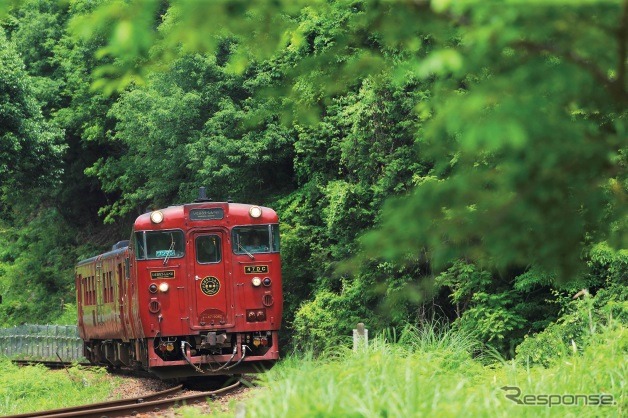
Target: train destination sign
{"x": 166, "y": 274}
{"x": 210, "y": 214}
{"x": 255, "y": 269}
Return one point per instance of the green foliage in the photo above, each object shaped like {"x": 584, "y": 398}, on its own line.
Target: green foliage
{"x": 29, "y": 145}
{"x": 494, "y": 307}
{"x": 504, "y": 307}
{"x": 608, "y": 265}
{"x": 29, "y": 388}
{"x": 36, "y": 270}
{"x": 68, "y": 315}
{"x": 200, "y": 126}
{"x": 325, "y": 323}
{"x": 525, "y": 134}
{"x": 346, "y": 165}
{"x": 46, "y": 198}
{"x": 583, "y": 319}
{"x": 526, "y": 140}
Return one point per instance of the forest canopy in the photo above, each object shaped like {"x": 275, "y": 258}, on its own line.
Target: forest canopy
{"x": 523, "y": 127}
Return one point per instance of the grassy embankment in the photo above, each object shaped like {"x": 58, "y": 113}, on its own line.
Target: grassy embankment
{"x": 435, "y": 374}
{"x": 35, "y": 388}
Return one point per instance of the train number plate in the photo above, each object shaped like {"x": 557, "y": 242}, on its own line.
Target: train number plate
{"x": 166, "y": 274}
{"x": 255, "y": 269}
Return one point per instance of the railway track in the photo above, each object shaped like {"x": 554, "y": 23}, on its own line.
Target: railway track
{"x": 155, "y": 402}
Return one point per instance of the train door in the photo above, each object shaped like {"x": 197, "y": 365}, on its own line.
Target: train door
{"x": 120, "y": 278}
{"x": 212, "y": 295}
{"x": 99, "y": 293}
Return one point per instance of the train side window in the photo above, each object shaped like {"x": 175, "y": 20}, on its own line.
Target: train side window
{"x": 105, "y": 287}
{"x": 106, "y": 290}
{"x": 90, "y": 291}
{"x": 208, "y": 249}
{"x": 86, "y": 291}
{"x": 110, "y": 286}
{"x": 127, "y": 268}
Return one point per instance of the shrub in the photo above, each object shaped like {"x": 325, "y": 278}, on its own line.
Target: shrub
{"x": 577, "y": 327}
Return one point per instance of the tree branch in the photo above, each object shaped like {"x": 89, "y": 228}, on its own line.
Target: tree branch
{"x": 616, "y": 88}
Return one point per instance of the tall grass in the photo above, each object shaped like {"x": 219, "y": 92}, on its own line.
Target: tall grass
{"x": 432, "y": 372}
{"x": 35, "y": 388}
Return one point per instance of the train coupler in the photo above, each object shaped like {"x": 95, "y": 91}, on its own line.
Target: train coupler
{"x": 213, "y": 339}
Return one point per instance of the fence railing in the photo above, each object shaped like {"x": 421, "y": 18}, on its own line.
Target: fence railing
{"x": 41, "y": 342}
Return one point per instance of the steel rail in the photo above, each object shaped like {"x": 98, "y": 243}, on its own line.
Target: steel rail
{"x": 131, "y": 406}
{"x": 119, "y": 402}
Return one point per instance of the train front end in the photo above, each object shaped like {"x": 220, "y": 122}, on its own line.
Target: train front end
{"x": 208, "y": 288}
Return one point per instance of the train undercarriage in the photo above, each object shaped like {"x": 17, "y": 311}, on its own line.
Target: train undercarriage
{"x": 207, "y": 354}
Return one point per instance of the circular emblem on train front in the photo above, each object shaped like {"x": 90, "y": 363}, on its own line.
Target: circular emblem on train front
{"x": 210, "y": 285}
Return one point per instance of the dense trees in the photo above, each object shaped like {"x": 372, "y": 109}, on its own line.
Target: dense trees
{"x": 468, "y": 153}
{"x": 29, "y": 145}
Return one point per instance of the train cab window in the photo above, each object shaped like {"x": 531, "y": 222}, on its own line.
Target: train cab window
{"x": 208, "y": 249}
{"x": 140, "y": 246}
{"x": 253, "y": 240}
{"x": 159, "y": 244}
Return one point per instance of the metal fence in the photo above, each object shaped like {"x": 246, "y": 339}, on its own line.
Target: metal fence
{"x": 41, "y": 342}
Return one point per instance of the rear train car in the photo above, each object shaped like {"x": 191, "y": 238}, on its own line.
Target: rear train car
{"x": 196, "y": 291}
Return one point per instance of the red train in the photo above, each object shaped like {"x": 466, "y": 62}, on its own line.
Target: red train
{"x": 196, "y": 291}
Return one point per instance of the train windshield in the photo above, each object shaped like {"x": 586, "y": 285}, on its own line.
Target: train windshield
{"x": 159, "y": 244}
{"x": 255, "y": 239}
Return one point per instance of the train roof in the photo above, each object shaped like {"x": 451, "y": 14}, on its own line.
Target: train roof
{"x": 103, "y": 256}
{"x": 204, "y": 213}
{"x": 192, "y": 215}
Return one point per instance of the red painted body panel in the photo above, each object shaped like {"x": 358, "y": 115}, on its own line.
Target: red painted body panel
{"x": 115, "y": 303}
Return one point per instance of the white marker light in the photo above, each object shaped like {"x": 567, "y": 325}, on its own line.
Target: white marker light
{"x": 255, "y": 212}
{"x": 256, "y": 281}
{"x": 156, "y": 216}
{"x": 163, "y": 287}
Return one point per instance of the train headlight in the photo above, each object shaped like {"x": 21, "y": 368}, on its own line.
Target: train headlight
{"x": 256, "y": 281}
{"x": 255, "y": 212}
{"x": 156, "y": 216}
{"x": 163, "y": 287}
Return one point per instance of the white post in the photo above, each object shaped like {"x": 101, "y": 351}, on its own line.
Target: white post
{"x": 360, "y": 337}
{"x": 240, "y": 410}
